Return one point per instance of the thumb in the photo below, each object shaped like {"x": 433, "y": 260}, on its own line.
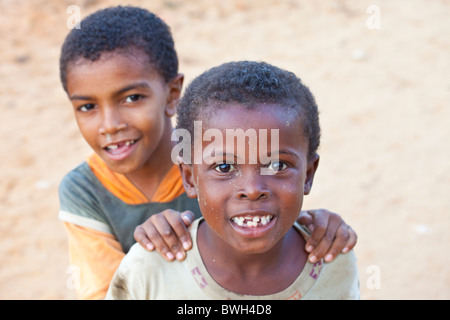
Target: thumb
{"x": 306, "y": 219}
{"x": 187, "y": 217}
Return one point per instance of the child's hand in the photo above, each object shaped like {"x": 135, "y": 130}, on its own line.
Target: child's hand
{"x": 330, "y": 235}
{"x": 167, "y": 233}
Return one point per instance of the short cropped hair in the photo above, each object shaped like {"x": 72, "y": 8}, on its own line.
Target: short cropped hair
{"x": 249, "y": 83}
{"x": 125, "y": 28}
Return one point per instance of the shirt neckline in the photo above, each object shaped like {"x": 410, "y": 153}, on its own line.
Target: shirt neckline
{"x": 298, "y": 288}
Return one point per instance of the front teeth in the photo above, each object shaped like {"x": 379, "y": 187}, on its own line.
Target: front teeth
{"x": 115, "y": 146}
{"x": 252, "y": 222}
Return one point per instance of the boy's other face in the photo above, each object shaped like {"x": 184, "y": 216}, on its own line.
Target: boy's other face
{"x": 122, "y": 107}
{"x": 248, "y": 210}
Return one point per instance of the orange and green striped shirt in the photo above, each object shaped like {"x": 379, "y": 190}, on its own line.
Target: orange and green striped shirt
{"x": 100, "y": 209}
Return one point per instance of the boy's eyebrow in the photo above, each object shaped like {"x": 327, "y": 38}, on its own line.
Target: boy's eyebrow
{"x": 144, "y": 85}
{"x": 77, "y": 97}
{"x": 288, "y": 152}
{"x": 235, "y": 157}
{"x": 119, "y": 92}
{"x": 227, "y": 155}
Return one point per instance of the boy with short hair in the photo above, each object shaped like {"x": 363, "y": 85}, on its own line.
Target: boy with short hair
{"x": 120, "y": 71}
{"x": 248, "y": 244}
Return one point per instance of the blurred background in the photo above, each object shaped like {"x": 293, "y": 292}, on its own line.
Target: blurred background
{"x": 379, "y": 70}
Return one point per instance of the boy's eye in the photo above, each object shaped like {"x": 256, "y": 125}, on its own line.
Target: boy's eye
{"x": 277, "y": 166}
{"x": 86, "y": 107}
{"x": 224, "y": 168}
{"x": 133, "y": 98}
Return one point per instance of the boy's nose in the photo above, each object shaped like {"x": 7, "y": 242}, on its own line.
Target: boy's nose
{"x": 112, "y": 122}
{"x": 253, "y": 188}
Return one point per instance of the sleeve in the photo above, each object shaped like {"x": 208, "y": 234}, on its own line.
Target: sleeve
{"x": 349, "y": 271}
{"x": 79, "y": 203}
{"x": 341, "y": 279}
{"x": 95, "y": 256}
{"x": 132, "y": 278}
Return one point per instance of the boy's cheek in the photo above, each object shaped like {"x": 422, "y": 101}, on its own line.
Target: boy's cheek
{"x": 205, "y": 204}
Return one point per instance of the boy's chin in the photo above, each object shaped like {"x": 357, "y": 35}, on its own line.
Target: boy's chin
{"x": 259, "y": 248}
{"x": 124, "y": 167}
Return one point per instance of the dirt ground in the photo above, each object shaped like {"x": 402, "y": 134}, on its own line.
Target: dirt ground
{"x": 379, "y": 70}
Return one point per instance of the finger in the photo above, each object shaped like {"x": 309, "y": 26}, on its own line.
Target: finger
{"x": 320, "y": 227}
{"x": 306, "y": 219}
{"x": 326, "y": 241}
{"x": 178, "y": 224}
{"x": 338, "y": 244}
{"x": 163, "y": 237}
{"x": 141, "y": 237}
{"x": 351, "y": 241}
{"x": 187, "y": 217}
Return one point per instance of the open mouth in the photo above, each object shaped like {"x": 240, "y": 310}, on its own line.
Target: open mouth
{"x": 116, "y": 148}
{"x": 252, "y": 221}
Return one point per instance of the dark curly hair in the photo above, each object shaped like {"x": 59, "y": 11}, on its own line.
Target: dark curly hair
{"x": 249, "y": 83}
{"x": 124, "y": 28}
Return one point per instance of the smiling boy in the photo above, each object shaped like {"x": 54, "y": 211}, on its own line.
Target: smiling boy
{"x": 248, "y": 244}
{"x": 120, "y": 72}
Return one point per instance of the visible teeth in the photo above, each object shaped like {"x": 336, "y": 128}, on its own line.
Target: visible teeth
{"x": 252, "y": 222}
{"x": 115, "y": 146}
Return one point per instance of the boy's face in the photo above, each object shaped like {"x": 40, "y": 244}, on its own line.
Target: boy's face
{"x": 248, "y": 210}
{"x": 122, "y": 107}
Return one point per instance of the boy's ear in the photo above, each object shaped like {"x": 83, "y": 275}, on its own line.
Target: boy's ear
{"x": 187, "y": 173}
{"x": 310, "y": 172}
{"x": 175, "y": 87}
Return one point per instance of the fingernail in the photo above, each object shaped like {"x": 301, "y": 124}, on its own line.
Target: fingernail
{"x": 345, "y": 250}
{"x": 309, "y": 248}
{"x": 313, "y": 259}
{"x": 169, "y": 255}
{"x": 186, "y": 245}
{"x": 180, "y": 256}
{"x": 328, "y": 257}
{"x": 187, "y": 217}
{"x": 150, "y": 246}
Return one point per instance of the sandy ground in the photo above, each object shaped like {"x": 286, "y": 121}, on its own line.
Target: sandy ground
{"x": 379, "y": 70}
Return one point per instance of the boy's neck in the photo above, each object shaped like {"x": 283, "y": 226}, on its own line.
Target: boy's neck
{"x": 148, "y": 178}
{"x": 253, "y": 274}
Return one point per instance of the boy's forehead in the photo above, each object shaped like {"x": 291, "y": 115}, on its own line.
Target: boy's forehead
{"x": 260, "y": 122}
{"x": 263, "y": 115}
{"x": 128, "y": 58}
{"x": 112, "y": 68}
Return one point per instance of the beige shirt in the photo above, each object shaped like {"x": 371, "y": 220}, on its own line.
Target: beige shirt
{"x": 146, "y": 275}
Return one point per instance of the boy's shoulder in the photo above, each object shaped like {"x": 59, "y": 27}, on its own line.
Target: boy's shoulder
{"x": 79, "y": 195}
{"x": 80, "y": 177}
{"x": 337, "y": 280}
{"x": 145, "y": 275}
{"x": 334, "y": 280}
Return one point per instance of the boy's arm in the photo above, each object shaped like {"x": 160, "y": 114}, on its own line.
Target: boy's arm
{"x": 167, "y": 233}
{"x": 94, "y": 258}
